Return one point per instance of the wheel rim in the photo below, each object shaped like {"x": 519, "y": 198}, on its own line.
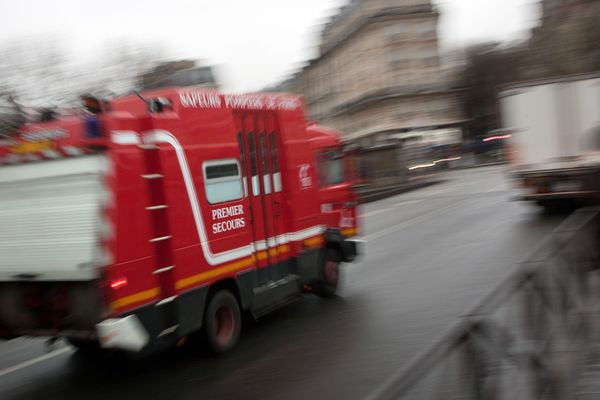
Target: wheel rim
{"x": 224, "y": 323}
{"x": 331, "y": 272}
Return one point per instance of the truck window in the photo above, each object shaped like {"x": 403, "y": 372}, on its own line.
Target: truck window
{"x": 331, "y": 168}
{"x": 222, "y": 180}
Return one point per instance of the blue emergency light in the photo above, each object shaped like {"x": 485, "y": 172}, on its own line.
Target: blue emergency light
{"x": 92, "y": 127}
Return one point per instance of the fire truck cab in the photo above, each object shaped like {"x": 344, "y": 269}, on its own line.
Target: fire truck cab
{"x": 169, "y": 214}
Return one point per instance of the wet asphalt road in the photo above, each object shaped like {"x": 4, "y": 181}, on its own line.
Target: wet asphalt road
{"x": 430, "y": 255}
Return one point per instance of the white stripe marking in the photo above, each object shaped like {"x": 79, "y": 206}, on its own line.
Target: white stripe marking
{"x": 31, "y": 157}
{"x": 245, "y": 181}
{"x": 411, "y": 221}
{"x": 165, "y": 269}
{"x": 375, "y": 212}
{"x": 125, "y": 137}
{"x": 405, "y": 203}
{"x": 72, "y": 151}
{"x": 167, "y": 300}
{"x": 305, "y": 233}
{"x": 50, "y": 153}
{"x": 277, "y": 182}
{"x": 34, "y": 361}
{"x": 497, "y": 188}
{"x": 213, "y": 259}
{"x": 267, "y": 183}
{"x": 255, "y": 186}
{"x": 160, "y": 136}
{"x": 448, "y": 189}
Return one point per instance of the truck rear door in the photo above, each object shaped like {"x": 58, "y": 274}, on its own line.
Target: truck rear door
{"x": 51, "y": 230}
{"x": 50, "y": 218}
{"x": 259, "y": 153}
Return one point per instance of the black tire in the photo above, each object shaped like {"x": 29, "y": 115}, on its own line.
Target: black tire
{"x": 327, "y": 285}
{"x": 558, "y": 207}
{"x": 85, "y": 346}
{"x": 222, "y": 322}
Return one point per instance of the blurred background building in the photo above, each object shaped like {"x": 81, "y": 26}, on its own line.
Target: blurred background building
{"x": 379, "y": 79}
{"x": 379, "y": 73}
{"x": 563, "y": 43}
{"x": 178, "y": 73}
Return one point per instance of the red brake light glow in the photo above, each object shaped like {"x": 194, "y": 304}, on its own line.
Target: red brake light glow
{"x": 119, "y": 283}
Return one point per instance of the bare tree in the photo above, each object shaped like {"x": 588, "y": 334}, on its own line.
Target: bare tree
{"x": 119, "y": 66}
{"x": 40, "y": 72}
{"x": 564, "y": 44}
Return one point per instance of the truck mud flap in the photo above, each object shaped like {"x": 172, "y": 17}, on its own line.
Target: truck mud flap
{"x": 348, "y": 248}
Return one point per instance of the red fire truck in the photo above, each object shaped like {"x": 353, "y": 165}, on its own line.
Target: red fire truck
{"x": 151, "y": 218}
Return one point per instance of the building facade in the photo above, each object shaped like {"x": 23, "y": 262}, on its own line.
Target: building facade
{"x": 178, "y": 73}
{"x": 378, "y": 76}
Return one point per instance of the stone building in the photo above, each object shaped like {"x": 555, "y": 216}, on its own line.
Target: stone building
{"x": 178, "y": 73}
{"x": 556, "y": 9}
{"x": 378, "y": 76}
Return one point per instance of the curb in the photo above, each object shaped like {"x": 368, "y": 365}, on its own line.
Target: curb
{"x": 479, "y": 165}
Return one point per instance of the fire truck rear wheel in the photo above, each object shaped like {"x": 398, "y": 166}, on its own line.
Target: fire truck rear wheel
{"x": 85, "y": 346}
{"x": 327, "y": 285}
{"x": 222, "y": 321}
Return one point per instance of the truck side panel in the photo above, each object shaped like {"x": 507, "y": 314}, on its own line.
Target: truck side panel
{"x": 556, "y": 128}
{"x": 65, "y": 197}
{"x": 588, "y": 115}
{"x": 532, "y": 114}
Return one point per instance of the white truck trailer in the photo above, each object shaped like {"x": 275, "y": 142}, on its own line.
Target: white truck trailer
{"x": 554, "y": 148}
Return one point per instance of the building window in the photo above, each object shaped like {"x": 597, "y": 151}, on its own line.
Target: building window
{"x": 222, "y": 180}
{"x": 400, "y": 58}
{"x": 397, "y": 32}
{"x": 426, "y": 30}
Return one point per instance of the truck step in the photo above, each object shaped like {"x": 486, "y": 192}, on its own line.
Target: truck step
{"x": 168, "y": 331}
{"x": 276, "y": 294}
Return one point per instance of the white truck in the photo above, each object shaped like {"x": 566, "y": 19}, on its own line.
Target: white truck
{"x": 554, "y": 146}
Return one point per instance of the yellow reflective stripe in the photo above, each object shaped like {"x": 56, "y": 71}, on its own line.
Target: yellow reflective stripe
{"x": 349, "y": 231}
{"x": 227, "y": 268}
{"x": 314, "y": 241}
{"x": 135, "y": 298}
{"x": 204, "y": 276}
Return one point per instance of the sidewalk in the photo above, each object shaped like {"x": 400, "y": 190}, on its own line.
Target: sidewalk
{"x": 367, "y": 194}
{"x": 588, "y": 386}
{"x": 487, "y": 164}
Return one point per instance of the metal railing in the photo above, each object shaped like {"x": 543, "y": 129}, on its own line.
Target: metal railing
{"x": 529, "y": 339}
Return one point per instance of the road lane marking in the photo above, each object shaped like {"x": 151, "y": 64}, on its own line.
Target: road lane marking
{"x": 404, "y": 203}
{"x": 34, "y": 361}
{"x": 412, "y": 221}
{"x": 375, "y": 212}
{"x": 442, "y": 191}
{"x": 497, "y": 188}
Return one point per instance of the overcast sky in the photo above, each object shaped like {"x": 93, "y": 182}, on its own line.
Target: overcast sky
{"x": 255, "y": 42}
